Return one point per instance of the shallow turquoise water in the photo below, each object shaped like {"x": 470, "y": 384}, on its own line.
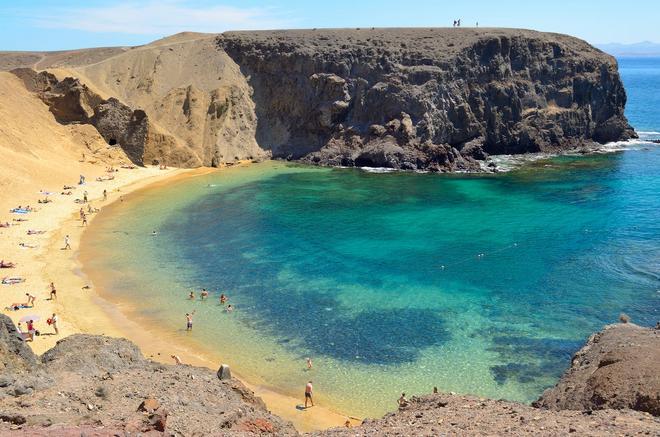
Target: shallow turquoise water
{"x": 397, "y": 281}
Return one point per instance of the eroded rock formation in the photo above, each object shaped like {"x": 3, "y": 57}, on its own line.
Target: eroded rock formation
{"x": 71, "y": 101}
{"x": 427, "y": 98}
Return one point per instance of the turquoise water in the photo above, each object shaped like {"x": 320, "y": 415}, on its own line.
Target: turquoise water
{"x": 399, "y": 281}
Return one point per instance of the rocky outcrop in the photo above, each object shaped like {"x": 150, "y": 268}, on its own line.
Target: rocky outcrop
{"x": 453, "y": 415}
{"x": 71, "y": 101}
{"x": 96, "y": 385}
{"x": 617, "y": 368}
{"x": 427, "y": 98}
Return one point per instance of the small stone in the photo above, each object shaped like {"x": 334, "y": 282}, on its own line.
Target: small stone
{"x": 149, "y": 405}
{"x": 224, "y": 372}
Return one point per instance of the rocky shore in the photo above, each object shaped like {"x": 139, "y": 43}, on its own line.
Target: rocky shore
{"x": 97, "y": 385}
{"x": 428, "y": 98}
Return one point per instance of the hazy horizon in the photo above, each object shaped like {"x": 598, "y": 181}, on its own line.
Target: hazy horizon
{"x": 46, "y": 25}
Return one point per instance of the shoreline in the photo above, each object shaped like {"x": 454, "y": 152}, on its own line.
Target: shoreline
{"x": 92, "y": 312}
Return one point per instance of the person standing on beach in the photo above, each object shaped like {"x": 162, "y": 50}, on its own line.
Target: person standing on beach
{"x": 105, "y": 195}
{"x": 53, "y": 322}
{"x": 85, "y": 197}
{"x": 67, "y": 242}
{"x": 30, "y": 299}
{"x": 31, "y": 330}
{"x": 84, "y": 219}
{"x": 308, "y": 394}
{"x": 176, "y": 359}
{"x": 309, "y": 363}
{"x": 53, "y": 292}
{"x": 189, "y": 321}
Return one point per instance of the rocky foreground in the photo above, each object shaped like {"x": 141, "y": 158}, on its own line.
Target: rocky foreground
{"x": 95, "y": 385}
{"x": 428, "y": 98}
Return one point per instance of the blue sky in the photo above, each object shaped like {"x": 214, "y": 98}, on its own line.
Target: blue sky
{"x": 56, "y": 25}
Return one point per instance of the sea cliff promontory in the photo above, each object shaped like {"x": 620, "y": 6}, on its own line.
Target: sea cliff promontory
{"x": 425, "y": 98}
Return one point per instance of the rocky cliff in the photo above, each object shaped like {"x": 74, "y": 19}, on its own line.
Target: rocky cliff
{"x": 427, "y": 98}
{"x": 437, "y": 99}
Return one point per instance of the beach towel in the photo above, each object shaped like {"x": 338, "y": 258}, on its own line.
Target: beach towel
{"x": 19, "y": 211}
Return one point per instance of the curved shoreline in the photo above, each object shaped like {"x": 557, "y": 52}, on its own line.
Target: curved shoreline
{"x": 105, "y": 315}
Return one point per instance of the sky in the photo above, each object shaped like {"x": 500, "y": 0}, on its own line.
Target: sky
{"x": 61, "y": 24}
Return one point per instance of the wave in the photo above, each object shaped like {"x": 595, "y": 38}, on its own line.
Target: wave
{"x": 377, "y": 169}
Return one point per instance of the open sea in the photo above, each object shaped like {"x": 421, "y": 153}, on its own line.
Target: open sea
{"x": 394, "y": 281}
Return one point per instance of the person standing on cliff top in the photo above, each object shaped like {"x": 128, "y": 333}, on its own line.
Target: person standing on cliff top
{"x": 308, "y": 394}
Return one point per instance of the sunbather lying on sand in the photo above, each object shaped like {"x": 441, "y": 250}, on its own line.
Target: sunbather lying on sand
{"x": 35, "y": 232}
{"x": 66, "y": 193}
{"x": 19, "y": 220}
{"x": 4, "y": 225}
{"x": 9, "y": 280}
{"x": 46, "y": 200}
{"x": 68, "y": 187}
{"x": 17, "y": 306}
{"x": 28, "y": 246}
{"x": 6, "y": 265}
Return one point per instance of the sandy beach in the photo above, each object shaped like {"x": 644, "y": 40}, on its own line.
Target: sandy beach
{"x": 80, "y": 306}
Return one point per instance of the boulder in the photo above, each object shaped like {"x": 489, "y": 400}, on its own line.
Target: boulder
{"x": 617, "y": 368}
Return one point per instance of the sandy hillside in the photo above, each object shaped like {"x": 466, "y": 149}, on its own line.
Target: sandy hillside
{"x": 190, "y": 90}
{"x": 39, "y": 153}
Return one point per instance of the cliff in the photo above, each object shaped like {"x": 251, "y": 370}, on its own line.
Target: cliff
{"x": 437, "y": 99}
{"x": 96, "y": 385}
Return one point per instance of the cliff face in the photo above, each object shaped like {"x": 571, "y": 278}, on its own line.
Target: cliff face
{"x": 437, "y": 99}
{"x": 426, "y": 98}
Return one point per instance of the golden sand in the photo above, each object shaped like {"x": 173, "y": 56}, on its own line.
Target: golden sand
{"x": 84, "y": 310}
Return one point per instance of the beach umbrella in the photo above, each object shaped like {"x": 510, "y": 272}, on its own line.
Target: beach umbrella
{"x": 33, "y": 317}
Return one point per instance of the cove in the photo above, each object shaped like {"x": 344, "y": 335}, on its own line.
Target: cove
{"x": 483, "y": 284}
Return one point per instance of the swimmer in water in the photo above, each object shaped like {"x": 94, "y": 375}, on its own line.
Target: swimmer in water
{"x": 191, "y": 296}
{"x": 230, "y": 308}
{"x": 204, "y": 293}
{"x": 223, "y": 299}
{"x": 154, "y": 233}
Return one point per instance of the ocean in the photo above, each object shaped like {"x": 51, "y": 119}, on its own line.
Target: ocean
{"x": 397, "y": 281}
